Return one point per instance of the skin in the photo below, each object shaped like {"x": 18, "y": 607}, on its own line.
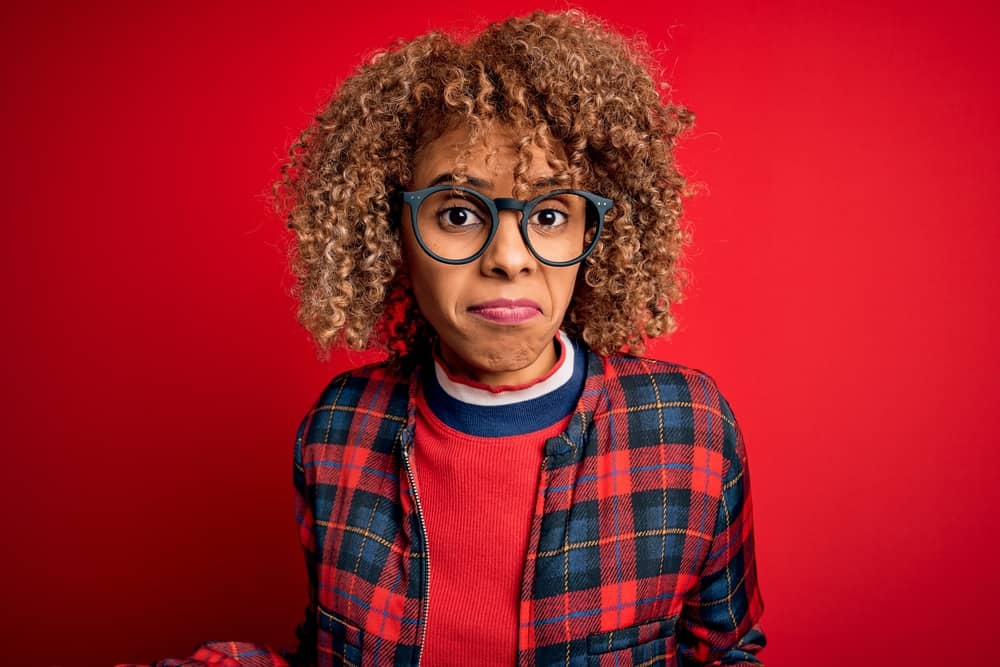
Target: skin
{"x": 485, "y": 351}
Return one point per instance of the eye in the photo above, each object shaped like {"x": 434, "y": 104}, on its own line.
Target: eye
{"x": 459, "y": 216}
{"x": 549, "y": 217}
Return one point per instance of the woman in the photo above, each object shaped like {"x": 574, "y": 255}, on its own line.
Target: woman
{"x": 509, "y": 486}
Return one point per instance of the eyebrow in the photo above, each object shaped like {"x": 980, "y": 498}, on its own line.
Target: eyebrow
{"x": 450, "y": 178}
{"x": 481, "y": 183}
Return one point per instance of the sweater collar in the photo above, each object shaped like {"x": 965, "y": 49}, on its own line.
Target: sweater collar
{"x": 483, "y": 411}
{"x": 568, "y": 444}
{"x": 469, "y": 391}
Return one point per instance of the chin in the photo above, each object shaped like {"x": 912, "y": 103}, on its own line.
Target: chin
{"x": 505, "y": 359}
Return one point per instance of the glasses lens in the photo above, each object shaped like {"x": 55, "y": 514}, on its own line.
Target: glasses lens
{"x": 453, "y": 224}
{"x": 561, "y": 228}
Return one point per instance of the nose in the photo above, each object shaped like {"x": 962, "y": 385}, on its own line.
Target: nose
{"x": 507, "y": 255}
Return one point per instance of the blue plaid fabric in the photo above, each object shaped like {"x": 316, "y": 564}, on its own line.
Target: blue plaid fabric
{"x": 641, "y": 549}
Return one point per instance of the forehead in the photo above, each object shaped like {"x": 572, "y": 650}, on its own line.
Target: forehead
{"x": 496, "y": 155}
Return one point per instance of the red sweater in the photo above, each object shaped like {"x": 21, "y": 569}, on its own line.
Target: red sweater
{"x": 484, "y": 486}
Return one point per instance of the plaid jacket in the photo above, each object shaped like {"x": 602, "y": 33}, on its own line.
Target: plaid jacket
{"x": 641, "y": 549}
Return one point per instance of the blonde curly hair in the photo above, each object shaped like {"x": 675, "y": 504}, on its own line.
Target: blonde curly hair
{"x": 563, "y": 78}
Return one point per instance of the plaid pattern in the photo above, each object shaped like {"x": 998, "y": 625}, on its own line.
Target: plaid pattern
{"x": 641, "y": 549}
{"x": 224, "y": 654}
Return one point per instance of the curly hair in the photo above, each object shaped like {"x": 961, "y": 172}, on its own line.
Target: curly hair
{"x": 564, "y": 77}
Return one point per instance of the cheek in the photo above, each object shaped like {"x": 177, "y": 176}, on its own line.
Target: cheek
{"x": 432, "y": 289}
{"x": 417, "y": 269}
{"x": 565, "y": 287}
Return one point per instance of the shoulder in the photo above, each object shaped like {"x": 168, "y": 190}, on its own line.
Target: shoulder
{"x": 378, "y": 391}
{"x": 367, "y": 382}
{"x": 639, "y": 376}
{"x": 672, "y": 393}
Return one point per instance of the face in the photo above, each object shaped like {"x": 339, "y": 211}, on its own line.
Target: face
{"x": 496, "y": 316}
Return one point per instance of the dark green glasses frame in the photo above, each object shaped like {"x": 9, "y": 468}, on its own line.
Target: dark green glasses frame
{"x": 414, "y": 198}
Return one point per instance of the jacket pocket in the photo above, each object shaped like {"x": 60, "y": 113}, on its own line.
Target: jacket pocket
{"x": 646, "y": 643}
{"x": 338, "y": 643}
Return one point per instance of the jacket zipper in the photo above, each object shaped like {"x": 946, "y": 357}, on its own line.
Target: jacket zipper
{"x": 427, "y": 551}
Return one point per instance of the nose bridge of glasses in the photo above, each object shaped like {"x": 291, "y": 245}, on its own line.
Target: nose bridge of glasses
{"x": 505, "y": 232}
{"x": 517, "y": 206}
{"x": 509, "y": 239}
{"x": 509, "y": 204}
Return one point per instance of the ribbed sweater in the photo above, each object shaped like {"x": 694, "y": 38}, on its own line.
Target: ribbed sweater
{"x": 477, "y": 459}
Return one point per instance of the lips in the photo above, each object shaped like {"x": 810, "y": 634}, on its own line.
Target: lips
{"x": 507, "y": 311}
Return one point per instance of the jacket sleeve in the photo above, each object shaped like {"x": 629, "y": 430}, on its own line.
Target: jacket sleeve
{"x": 305, "y": 654}
{"x": 223, "y": 654}
{"x": 243, "y": 654}
{"x": 720, "y": 621}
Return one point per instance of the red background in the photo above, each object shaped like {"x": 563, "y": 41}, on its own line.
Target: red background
{"x": 843, "y": 299}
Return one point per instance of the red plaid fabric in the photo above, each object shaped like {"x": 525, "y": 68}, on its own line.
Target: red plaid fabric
{"x": 641, "y": 549}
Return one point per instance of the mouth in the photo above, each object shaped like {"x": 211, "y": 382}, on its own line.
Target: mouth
{"x": 507, "y": 311}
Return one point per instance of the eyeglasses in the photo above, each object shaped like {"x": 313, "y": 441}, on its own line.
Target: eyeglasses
{"x": 455, "y": 224}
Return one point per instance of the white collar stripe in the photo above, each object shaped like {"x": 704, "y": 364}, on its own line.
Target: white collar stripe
{"x": 484, "y": 397}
